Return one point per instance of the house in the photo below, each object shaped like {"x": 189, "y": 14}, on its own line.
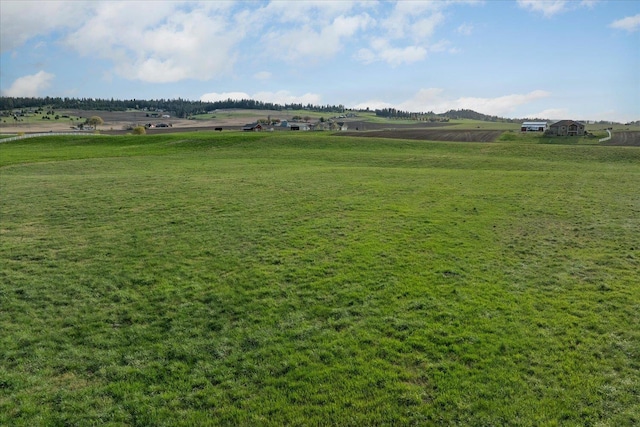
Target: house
{"x": 567, "y": 128}
{"x": 533, "y": 127}
{"x": 252, "y": 127}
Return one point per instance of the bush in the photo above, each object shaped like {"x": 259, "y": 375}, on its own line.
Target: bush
{"x": 139, "y": 130}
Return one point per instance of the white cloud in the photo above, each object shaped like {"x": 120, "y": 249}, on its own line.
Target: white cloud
{"x": 31, "y": 85}
{"x": 610, "y": 115}
{"x": 425, "y": 27}
{"x": 501, "y": 105}
{"x": 285, "y": 97}
{"x": 630, "y": 23}
{"x": 21, "y": 21}
{"x": 589, "y": 3}
{"x": 407, "y": 33}
{"x": 310, "y": 42}
{"x": 397, "y": 56}
{"x": 550, "y": 113}
{"x": 403, "y": 20}
{"x": 465, "y": 29}
{"x": 164, "y": 43}
{"x": 214, "y": 96}
{"x": 550, "y": 8}
{"x": 546, "y": 7}
{"x": 171, "y": 41}
{"x": 380, "y": 50}
{"x": 435, "y": 99}
{"x": 281, "y": 97}
{"x": 442, "y": 46}
{"x": 308, "y": 12}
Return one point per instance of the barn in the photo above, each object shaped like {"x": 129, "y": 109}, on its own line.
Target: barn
{"x": 533, "y": 127}
{"x": 252, "y": 127}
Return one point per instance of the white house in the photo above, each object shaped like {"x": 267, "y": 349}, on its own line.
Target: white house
{"x": 533, "y": 127}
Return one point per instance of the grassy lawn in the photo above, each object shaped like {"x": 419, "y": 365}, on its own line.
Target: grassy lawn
{"x": 301, "y": 279}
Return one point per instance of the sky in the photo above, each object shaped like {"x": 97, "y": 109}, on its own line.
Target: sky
{"x": 522, "y": 58}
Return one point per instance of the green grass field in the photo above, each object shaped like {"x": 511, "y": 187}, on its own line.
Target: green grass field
{"x": 301, "y": 279}
{"x": 43, "y": 118}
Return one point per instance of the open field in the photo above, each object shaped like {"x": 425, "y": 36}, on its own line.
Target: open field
{"x": 114, "y": 121}
{"x": 309, "y": 279}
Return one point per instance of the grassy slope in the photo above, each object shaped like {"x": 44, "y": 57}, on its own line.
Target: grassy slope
{"x": 304, "y": 279}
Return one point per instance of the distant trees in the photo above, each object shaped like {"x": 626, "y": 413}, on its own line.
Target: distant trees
{"x": 430, "y": 116}
{"x": 180, "y": 108}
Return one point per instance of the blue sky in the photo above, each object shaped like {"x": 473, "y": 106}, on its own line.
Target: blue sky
{"x": 522, "y": 58}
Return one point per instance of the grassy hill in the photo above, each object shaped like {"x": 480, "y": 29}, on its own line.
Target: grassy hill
{"x": 308, "y": 279}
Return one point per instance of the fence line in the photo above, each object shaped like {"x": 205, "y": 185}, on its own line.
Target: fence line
{"x": 33, "y": 135}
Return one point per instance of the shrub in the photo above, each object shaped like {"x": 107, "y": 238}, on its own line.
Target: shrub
{"x": 139, "y": 130}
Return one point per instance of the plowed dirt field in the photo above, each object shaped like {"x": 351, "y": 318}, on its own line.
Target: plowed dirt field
{"x": 630, "y": 138}
{"x": 432, "y": 134}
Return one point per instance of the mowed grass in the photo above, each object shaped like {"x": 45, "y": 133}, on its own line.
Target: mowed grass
{"x": 272, "y": 279}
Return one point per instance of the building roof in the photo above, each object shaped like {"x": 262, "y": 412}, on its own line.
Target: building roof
{"x": 566, "y": 123}
{"x": 534, "y": 123}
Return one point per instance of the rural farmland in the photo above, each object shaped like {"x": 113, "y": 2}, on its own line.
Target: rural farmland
{"x": 320, "y": 213}
{"x": 229, "y": 278}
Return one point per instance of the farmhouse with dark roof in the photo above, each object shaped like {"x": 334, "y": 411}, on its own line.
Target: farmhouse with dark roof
{"x": 567, "y": 128}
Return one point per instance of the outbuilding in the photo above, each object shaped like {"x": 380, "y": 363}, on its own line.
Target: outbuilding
{"x": 533, "y": 127}
{"x": 252, "y": 127}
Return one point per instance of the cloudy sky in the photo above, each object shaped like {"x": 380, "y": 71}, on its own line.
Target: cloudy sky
{"x": 552, "y": 59}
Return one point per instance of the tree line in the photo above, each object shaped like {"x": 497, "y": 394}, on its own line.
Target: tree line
{"x": 183, "y": 108}
{"x": 393, "y": 113}
{"x": 179, "y": 107}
